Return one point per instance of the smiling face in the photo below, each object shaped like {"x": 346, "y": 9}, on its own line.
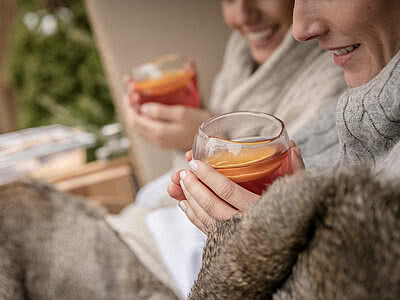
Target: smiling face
{"x": 363, "y": 35}
{"x": 263, "y": 23}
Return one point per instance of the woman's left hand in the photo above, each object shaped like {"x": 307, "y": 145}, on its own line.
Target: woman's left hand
{"x": 206, "y": 195}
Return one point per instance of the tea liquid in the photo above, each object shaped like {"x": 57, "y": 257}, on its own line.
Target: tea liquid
{"x": 253, "y": 168}
{"x": 177, "y": 87}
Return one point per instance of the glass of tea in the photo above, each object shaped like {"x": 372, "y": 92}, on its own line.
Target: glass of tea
{"x": 170, "y": 80}
{"x": 250, "y": 148}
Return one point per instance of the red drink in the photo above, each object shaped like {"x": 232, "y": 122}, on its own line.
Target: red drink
{"x": 250, "y": 148}
{"x": 253, "y": 169}
{"x": 170, "y": 80}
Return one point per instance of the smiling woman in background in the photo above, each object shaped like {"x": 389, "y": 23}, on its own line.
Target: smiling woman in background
{"x": 328, "y": 237}
{"x": 265, "y": 69}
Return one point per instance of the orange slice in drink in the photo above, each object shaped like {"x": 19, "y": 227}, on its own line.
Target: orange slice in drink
{"x": 169, "y": 82}
{"x": 248, "y": 164}
{"x": 244, "y": 158}
{"x": 255, "y": 173}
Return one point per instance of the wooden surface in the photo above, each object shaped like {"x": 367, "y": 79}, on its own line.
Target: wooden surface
{"x": 109, "y": 183}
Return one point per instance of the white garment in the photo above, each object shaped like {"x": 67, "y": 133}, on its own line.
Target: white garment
{"x": 180, "y": 243}
{"x": 150, "y": 194}
{"x": 178, "y": 240}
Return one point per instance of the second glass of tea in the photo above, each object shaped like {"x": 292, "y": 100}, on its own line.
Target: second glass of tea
{"x": 170, "y": 80}
{"x": 250, "y": 148}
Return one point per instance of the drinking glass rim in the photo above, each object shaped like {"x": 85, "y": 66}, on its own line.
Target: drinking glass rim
{"x": 161, "y": 60}
{"x": 261, "y": 114}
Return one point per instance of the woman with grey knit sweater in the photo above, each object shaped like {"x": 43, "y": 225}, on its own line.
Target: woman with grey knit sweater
{"x": 335, "y": 236}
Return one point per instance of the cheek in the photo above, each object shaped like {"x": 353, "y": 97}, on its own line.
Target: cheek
{"x": 366, "y": 20}
{"x": 280, "y": 11}
{"x": 228, "y": 16}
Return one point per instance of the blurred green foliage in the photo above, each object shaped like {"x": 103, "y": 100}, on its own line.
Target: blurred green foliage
{"x": 55, "y": 69}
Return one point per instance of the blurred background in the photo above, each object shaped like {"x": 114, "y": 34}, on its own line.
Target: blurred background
{"x": 61, "y": 69}
{"x": 53, "y": 69}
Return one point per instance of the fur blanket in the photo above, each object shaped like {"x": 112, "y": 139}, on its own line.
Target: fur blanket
{"x": 332, "y": 237}
{"x": 335, "y": 237}
{"x": 54, "y": 246}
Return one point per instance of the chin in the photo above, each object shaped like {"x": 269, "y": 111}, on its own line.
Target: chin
{"x": 261, "y": 57}
{"x": 355, "y": 80}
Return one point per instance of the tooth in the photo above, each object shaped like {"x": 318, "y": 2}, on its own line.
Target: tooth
{"x": 260, "y": 35}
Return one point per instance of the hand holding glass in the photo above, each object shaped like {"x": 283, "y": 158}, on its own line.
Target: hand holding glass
{"x": 170, "y": 80}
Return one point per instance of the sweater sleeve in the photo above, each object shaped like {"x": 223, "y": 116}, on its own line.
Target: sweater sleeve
{"x": 308, "y": 236}
{"x": 270, "y": 235}
{"x": 389, "y": 168}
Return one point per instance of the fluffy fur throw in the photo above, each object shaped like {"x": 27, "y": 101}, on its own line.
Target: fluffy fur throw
{"x": 54, "y": 246}
{"x": 335, "y": 237}
{"x": 326, "y": 238}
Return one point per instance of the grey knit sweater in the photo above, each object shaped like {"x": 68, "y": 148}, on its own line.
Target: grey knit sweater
{"x": 367, "y": 125}
{"x": 368, "y": 119}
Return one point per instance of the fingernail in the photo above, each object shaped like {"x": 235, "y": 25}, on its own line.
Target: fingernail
{"x": 193, "y": 165}
{"x": 182, "y": 174}
{"x": 182, "y": 205}
{"x": 182, "y": 184}
{"x": 145, "y": 108}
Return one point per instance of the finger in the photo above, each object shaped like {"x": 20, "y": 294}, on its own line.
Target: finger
{"x": 133, "y": 118}
{"x": 126, "y": 100}
{"x": 189, "y": 155}
{"x": 185, "y": 207}
{"x": 173, "y": 113}
{"x": 175, "y": 178}
{"x": 196, "y": 211}
{"x": 127, "y": 79}
{"x": 191, "y": 65}
{"x": 133, "y": 104}
{"x": 131, "y": 86}
{"x": 297, "y": 160}
{"x": 176, "y": 192}
{"x": 134, "y": 98}
{"x": 152, "y": 130}
{"x": 223, "y": 187}
{"x": 211, "y": 204}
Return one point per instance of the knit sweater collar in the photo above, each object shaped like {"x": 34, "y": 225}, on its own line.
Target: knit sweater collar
{"x": 240, "y": 81}
{"x": 368, "y": 117}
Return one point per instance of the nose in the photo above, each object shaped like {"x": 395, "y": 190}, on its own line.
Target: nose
{"x": 307, "y": 25}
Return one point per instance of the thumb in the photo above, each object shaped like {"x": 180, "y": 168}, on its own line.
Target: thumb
{"x": 297, "y": 159}
{"x": 189, "y": 155}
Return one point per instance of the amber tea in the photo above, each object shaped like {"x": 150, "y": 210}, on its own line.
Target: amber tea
{"x": 250, "y": 148}
{"x": 170, "y": 80}
{"x": 254, "y": 169}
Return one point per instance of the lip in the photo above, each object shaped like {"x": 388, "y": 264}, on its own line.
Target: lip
{"x": 266, "y": 41}
{"x": 337, "y": 48}
{"x": 342, "y": 60}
